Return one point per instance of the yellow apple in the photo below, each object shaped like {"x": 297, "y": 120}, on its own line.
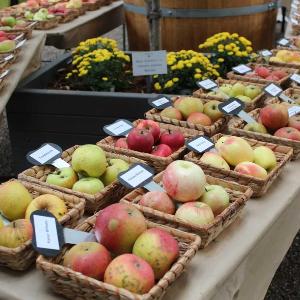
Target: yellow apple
{"x": 214, "y": 160}
{"x": 251, "y": 169}
{"x": 265, "y": 157}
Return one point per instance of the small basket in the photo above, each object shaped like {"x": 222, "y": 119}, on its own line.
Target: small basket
{"x": 281, "y": 82}
{"x": 259, "y": 186}
{"x": 159, "y": 163}
{"x": 237, "y": 128}
{"x": 22, "y": 257}
{"x": 217, "y": 126}
{"x": 74, "y": 285}
{"x": 284, "y": 64}
{"x": 238, "y": 196}
{"x": 111, "y": 193}
{"x": 68, "y": 17}
{"x": 48, "y": 24}
{"x": 257, "y": 101}
{"x": 92, "y": 6}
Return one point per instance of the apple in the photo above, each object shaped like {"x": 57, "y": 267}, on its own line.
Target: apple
{"x": 226, "y": 88}
{"x": 115, "y": 166}
{"x": 88, "y": 185}
{"x": 89, "y": 258}
{"x": 152, "y": 126}
{"x": 265, "y": 157}
{"x": 288, "y": 133}
{"x": 238, "y": 89}
{"x": 274, "y": 116}
{"x": 89, "y": 160}
{"x": 140, "y": 140}
{"x": 251, "y": 169}
{"x": 280, "y": 74}
{"x": 158, "y": 248}
{"x": 272, "y": 78}
{"x": 184, "y": 181}
{"x": 121, "y": 143}
{"x": 294, "y": 122}
{"x": 158, "y": 200}
{"x": 234, "y": 150}
{"x": 130, "y": 272}
{"x": 211, "y": 110}
{"x": 199, "y": 118}
{"x": 214, "y": 160}
{"x": 51, "y": 203}
{"x": 7, "y": 46}
{"x": 64, "y": 177}
{"x": 171, "y": 113}
{"x": 216, "y": 197}
{"x": 262, "y": 72}
{"x": 162, "y": 150}
{"x": 174, "y": 139}
{"x": 256, "y": 127}
{"x": 252, "y": 91}
{"x": 15, "y": 233}
{"x": 195, "y": 213}
{"x": 188, "y": 105}
{"x": 244, "y": 98}
{"x": 216, "y": 94}
{"x": 118, "y": 226}
{"x": 8, "y": 21}
{"x": 14, "y": 199}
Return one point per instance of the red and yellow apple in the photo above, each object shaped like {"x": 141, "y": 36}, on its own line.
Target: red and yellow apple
{"x": 171, "y": 113}
{"x": 174, "y": 139}
{"x": 214, "y": 160}
{"x": 212, "y": 111}
{"x": 274, "y": 116}
{"x": 151, "y": 126}
{"x": 188, "y": 105}
{"x": 288, "y": 133}
{"x": 159, "y": 201}
{"x": 199, "y": 118}
{"x": 140, "y": 140}
{"x": 251, "y": 169}
{"x": 294, "y": 122}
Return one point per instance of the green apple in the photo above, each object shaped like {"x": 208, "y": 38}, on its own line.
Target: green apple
{"x": 88, "y": 185}
{"x": 216, "y": 197}
{"x": 238, "y": 89}
{"x": 8, "y": 21}
{"x": 216, "y": 94}
{"x": 244, "y": 98}
{"x": 256, "y": 127}
{"x": 211, "y": 109}
{"x": 265, "y": 157}
{"x": 188, "y": 105}
{"x": 226, "y": 88}
{"x": 252, "y": 91}
{"x": 115, "y": 166}
{"x": 214, "y": 160}
{"x": 64, "y": 177}
{"x": 89, "y": 160}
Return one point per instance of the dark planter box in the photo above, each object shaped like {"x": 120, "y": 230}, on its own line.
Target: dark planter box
{"x": 37, "y": 115}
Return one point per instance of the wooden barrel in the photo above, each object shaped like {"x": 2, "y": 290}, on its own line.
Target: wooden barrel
{"x": 187, "y": 23}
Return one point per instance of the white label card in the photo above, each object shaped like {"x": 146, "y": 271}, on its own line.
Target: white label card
{"x": 200, "y": 144}
{"x": 2, "y": 75}
{"x": 296, "y": 78}
{"x": 118, "y": 128}
{"x": 266, "y": 53}
{"x": 149, "y": 63}
{"x": 44, "y": 154}
{"x": 231, "y": 106}
{"x": 136, "y": 176}
{"x": 20, "y": 44}
{"x": 207, "y": 84}
{"x": 242, "y": 69}
{"x": 161, "y": 101}
{"x": 9, "y": 57}
{"x": 273, "y": 90}
{"x": 283, "y": 42}
{"x": 60, "y": 163}
{"x": 294, "y": 110}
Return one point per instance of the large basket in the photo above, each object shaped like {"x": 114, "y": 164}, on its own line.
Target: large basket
{"x": 238, "y": 196}
{"x": 74, "y": 285}
{"x": 48, "y": 24}
{"x": 111, "y": 193}
{"x": 237, "y": 128}
{"x": 283, "y": 82}
{"x": 217, "y": 126}
{"x": 257, "y": 101}
{"x": 159, "y": 163}
{"x": 259, "y": 186}
{"x": 22, "y": 257}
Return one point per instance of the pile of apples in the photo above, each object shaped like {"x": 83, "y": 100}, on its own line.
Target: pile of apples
{"x": 91, "y": 171}
{"x": 266, "y": 73}
{"x": 126, "y": 254}
{"x": 193, "y": 111}
{"x": 147, "y": 137}
{"x": 7, "y": 42}
{"x": 41, "y": 15}
{"x": 8, "y": 22}
{"x": 16, "y": 205}
{"x": 274, "y": 119}
{"x": 236, "y": 153}
{"x": 286, "y": 56}
{"x": 240, "y": 90}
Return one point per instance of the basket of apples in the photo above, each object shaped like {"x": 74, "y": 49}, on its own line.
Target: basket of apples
{"x": 191, "y": 112}
{"x": 285, "y": 58}
{"x": 92, "y": 175}
{"x": 18, "y": 199}
{"x": 250, "y": 93}
{"x": 45, "y": 19}
{"x": 191, "y": 201}
{"x": 134, "y": 260}
{"x": 264, "y": 74}
{"x": 158, "y": 144}
{"x": 245, "y": 161}
{"x": 63, "y": 13}
{"x": 273, "y": 126}
{"x": 12, "y": 25}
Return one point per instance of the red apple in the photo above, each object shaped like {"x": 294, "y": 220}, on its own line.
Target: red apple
{"x": 121, "y": 143}
{"x": 272, "y": 78}
{"x": 279, "y": 73}
{"x": 199, "y": 118}
{"x": 162, "y": 150}
{"x": 288, "y": 133}
{"x": 274, "y": 116}
{"x": 88, "y": 258}
{"x": 140, "y": 140}
{"x": 294, "y": 122}
{"x": 152, "y": 126}
{"x": 159, "y": 201}
{"x": 174, "y": 139}
{"x": 262, "y": 71}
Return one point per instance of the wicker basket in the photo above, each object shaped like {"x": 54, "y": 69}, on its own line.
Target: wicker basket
{"x": 257, "y": 101}
{"x": 74, "y": 285}
{"x": 111, "y": 193}
{"x": 68, "y": 17}
{"x": 44, "y": 25}
{"x": 283, "y": 82}
{"x": 22, "y": 257}
{"x": 284, "y": 64}
{"x": 217, "y": 126}
{"x": 238, "y": 196}
{"x": 92, "y": 6}
{"x": 159, "y": 163}
{"x": 259, "y": 186}
{"x": 236, "y": 128}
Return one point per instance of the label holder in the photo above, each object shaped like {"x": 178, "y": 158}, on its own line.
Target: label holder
{"x": 200, "y": 144}
{"x": 160, "y": 102}
{"x": 241, "y": 69}
{"x": 120, "y": 127}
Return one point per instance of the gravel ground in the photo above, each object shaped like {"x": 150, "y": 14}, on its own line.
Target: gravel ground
{"x": 286, "y": 282}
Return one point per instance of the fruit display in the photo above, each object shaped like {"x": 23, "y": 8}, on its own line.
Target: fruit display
{"x": 293, "y": 93}
{"x": 45, "y": 19}
{"x": 287, "y": 57}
